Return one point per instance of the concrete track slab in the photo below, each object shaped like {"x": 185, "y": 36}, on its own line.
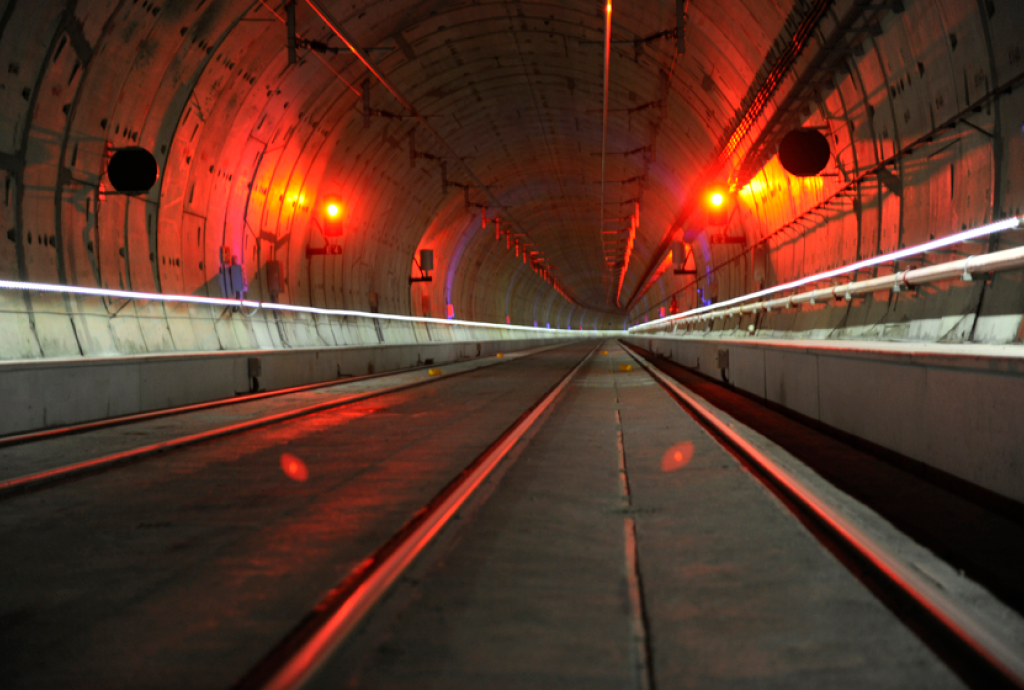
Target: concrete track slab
{"x": 533, "y": 589}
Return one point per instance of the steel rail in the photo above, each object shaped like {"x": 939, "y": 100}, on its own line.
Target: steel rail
{"x": 357, "y": 595}
{"x": 978, "y": 634}
{"x": 77, "y": 470}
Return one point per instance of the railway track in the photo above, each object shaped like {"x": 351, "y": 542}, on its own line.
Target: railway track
{"x": 995, "y": 658}
{"x": 36, "y": 480}
{"x": 986, "y": 649}
{"x": 307, "y": 647}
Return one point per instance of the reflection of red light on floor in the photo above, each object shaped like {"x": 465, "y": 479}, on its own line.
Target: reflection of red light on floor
{"x": 677, "y": 457}
{"x": 294, "y": 468}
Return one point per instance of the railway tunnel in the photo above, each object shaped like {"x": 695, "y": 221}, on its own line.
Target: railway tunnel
{"x": 496, "y": 343}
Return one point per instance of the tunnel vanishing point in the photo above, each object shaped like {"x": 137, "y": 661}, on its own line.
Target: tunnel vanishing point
{"x": 802, "y": 215}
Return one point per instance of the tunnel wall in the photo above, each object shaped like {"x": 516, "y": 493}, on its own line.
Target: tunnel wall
{"x": 942, "y": 78}
{"x": 249, "y": 147}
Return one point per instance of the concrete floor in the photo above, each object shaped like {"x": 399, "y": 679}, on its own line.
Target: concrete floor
{"x": 185, "y": 569}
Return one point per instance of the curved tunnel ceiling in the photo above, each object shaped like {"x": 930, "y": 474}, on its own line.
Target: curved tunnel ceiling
{"x": 250, "y": 146}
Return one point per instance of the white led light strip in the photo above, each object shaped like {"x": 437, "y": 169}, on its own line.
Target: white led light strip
{"x": 220, "y": 301}
{"x": 1011, "y": 223}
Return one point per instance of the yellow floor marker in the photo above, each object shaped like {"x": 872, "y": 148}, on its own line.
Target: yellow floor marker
{"x": 433, "y": 372}
{"x": 625, "y": 367}
{"x": 499, "y": 355}
{"x": 604, "y": 352}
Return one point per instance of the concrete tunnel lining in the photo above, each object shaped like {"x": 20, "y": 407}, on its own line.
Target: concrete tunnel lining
{"x": 250, "y": 146}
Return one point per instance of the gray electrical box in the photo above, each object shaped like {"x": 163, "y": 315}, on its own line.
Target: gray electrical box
{"x": 426, "y": 260}
{"x": 232, "y": 282}
{"x": 678, "y": 253}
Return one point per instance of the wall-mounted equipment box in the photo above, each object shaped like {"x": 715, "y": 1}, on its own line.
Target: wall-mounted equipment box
{"x": 426, "y": 265}
{"x": 232, "y": 282}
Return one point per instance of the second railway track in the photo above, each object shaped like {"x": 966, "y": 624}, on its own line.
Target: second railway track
{"x": 245, "y": 420}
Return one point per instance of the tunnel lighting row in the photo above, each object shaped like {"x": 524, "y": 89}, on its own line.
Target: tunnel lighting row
{"x": 250, "y": 304}
{"x": 1012, "y": 223}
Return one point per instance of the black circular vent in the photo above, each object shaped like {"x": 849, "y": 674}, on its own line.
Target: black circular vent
{"x": 132, "y": 170}
{"x": 804, "y": 152}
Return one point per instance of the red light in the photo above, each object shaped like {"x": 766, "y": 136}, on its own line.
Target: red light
{"x": 451, "y": 311}
{"x": 333, "y": 217}
{"x": 334, "y": 209}
{"x": 717, "y": 206}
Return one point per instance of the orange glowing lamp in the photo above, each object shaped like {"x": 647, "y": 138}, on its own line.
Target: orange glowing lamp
{"x": 718, "y": 207}
{"x": 333, "y": 217}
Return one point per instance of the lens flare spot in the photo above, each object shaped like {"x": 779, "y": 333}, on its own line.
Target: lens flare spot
{"x": 677, "y": 457}
{"x": 294, "y": 468}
